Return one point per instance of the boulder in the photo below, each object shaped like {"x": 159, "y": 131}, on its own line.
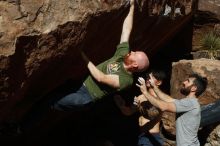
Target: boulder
{"x": 214, "y": 137}
{"x": 40, "y": 42}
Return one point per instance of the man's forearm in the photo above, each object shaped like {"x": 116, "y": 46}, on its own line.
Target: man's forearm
{"x": 156, "y": 102}
{"x": 94, "y": 71}
{"x": 127, "y": 25}
{"x": 111, "y": 80}
{"x": 162, "y": 95}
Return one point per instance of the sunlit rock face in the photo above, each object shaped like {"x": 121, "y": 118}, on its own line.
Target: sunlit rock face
{"x": 210, "y": 5}
{"x": 23, "y": 17}
{"x": 40, "y": 39}
{"x": 39, "y": 43}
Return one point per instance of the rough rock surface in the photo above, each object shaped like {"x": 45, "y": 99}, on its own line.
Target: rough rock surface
{"x": 211, "y": 6}
{"x": 24, "y": 17}
{"x": 214, "y": 137}
{"x": 39, "y": 42}
{"x": 42, "y": 37}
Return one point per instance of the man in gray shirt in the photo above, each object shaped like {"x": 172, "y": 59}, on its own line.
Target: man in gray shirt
{"x": 187, "y": 109}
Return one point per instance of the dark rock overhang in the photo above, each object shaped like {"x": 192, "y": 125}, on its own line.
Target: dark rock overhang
{"x": 43, "y": 61}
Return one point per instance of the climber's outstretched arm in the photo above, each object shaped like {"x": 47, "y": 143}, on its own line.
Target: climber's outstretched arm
{"x": 109, "y": 79}
{"x": 128, "y": 24}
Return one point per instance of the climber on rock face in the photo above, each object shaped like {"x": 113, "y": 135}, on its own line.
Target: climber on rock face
{"x": 114, "y": 74}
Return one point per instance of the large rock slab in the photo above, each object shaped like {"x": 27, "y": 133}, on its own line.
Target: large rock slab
{"x": 211, "y": 6}
{"x": 39, "y": 46}
{"x": 40, "y": 39}
{"x": 214, "y": 137}
{"x": 24, "y": 17}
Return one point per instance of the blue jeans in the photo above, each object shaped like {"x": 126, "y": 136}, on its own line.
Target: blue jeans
{"x": 74, "y": 101}
{"x": 148, "y": 139}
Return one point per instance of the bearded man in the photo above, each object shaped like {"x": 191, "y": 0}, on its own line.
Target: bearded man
{"x": 188, "y": 109}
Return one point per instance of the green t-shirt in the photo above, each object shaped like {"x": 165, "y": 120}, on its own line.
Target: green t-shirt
{"x": 113, "y": 65}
